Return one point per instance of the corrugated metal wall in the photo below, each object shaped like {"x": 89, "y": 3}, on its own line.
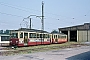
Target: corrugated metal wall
{"x": 84, "y": 36}
{"x": 80, "y": 34}
{"x": 89, "y": 35}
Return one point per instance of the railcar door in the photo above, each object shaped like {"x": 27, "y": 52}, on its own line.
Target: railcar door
{"x": 56, "y": 38}
{"x": 25, "y": 38}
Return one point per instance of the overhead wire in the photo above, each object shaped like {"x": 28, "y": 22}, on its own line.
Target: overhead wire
{"x": 16, "y": 7}
{"x": 13, "y": 7}
{"x": 9, "y": 5}
{"x": 24, "y": 9}
{"x": 87, "y": 13}
{"x": 11, "y": 14}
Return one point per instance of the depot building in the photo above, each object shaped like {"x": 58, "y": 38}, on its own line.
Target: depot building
{"x": 79, "y": 33}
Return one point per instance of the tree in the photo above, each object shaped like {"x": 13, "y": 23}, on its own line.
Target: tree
{"x": 7, "y": 32}
{"x": 54, "y": 31}
{"x": 1, "y": 31}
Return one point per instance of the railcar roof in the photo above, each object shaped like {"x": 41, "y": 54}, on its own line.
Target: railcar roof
{"x": 58, "y": 33}
{"x": 30, "y": 30}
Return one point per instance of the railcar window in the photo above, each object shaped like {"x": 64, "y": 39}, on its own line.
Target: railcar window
{"x": 5, "y": 38}
{"x": 38, "y": 35}
{"x": 32, "y": 35}
{"x": 48, "y": 36}
{"x": 25, "y": 34}
{"x": 58, "y": 36}
{"x": 21, "y": 35}
{"x": 63, "y": 36}
{"x": 51, "y": 36}
{"x": 14, "y": 35}
{"x": 54, "y": 36}
{"x": 45, "y": 36}
{"x": 42, "y": 35}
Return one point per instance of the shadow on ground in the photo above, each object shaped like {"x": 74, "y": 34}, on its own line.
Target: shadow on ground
{"x": 82, "y": 56}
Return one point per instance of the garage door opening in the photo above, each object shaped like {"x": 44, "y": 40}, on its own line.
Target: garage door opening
{"x": 73, "y": 36}
{"x": 65, "y": 32}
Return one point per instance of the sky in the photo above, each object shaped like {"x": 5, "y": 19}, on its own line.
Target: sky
{"x": 57, "y": 13}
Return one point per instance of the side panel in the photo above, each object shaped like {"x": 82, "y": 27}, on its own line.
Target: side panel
{"x": 14, "y": 42}
{"x": 35, "y": 41}
{"x": 80, "y": 36}
{"x": 47, "y": 41}
{"x": 21, "y": 42}
{"x": 62, "y": 40}
{"x": 83, "y": 36}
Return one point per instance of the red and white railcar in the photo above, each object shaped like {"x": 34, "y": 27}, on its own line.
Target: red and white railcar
{"x": 58, "y": 38}
{"x": 28, "y": 37}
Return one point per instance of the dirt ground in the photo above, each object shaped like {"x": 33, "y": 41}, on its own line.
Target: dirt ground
{"x": 6, "y": 51}
{"x": 76, "y": 53}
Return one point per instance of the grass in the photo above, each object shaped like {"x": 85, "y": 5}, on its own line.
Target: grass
{"x": 41, "y": 48}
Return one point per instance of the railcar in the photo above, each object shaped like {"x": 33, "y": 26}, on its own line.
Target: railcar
{"x": 25, "y": 37}
{"x": 30, "y": 37}
{"x": 58, "y": 38}
{"x": 4, "y": 39}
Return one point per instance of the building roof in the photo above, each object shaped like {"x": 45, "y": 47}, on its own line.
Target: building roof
{"x": 30, "y": 30}
{"x": 85, "y": 26}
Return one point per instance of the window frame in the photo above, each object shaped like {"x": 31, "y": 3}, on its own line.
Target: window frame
{"x": 5, "y": 38}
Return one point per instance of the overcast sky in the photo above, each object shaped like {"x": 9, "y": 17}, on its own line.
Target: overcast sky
{"x": 58, "y": 13}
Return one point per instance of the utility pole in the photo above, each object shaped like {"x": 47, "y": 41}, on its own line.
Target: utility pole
{"x": 42, "y": 22}
{"x": 42, "y": 16}
{"x": 30, "y": 24}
